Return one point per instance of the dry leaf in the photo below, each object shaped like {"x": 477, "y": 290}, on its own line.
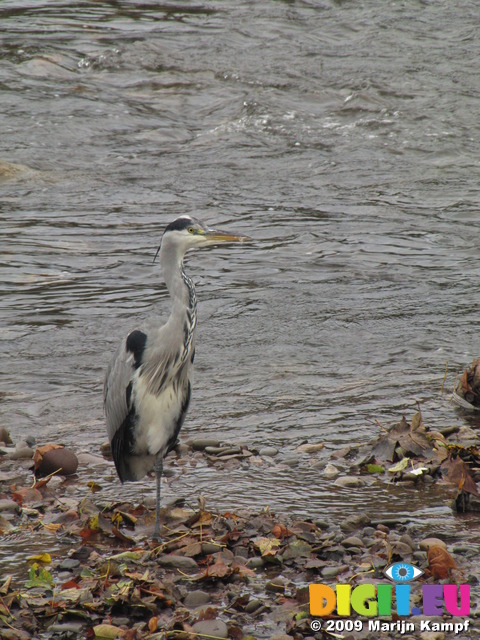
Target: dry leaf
{"x": 440, "y": 562}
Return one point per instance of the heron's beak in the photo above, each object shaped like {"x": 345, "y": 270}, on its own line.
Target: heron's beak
{"x": 215, "y": 235}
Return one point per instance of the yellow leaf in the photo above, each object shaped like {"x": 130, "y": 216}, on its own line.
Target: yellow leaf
{"x": 267, "y": 545}
{"x": 108, "y": 631}
{"x": 400, "y": 466}
{"x": 43, "y": 558}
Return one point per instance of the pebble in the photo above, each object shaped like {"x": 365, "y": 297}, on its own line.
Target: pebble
{"x": 432, "y": 635}
{"x": 69, "y": 564}
{"x": 330, "y": 471}
{"x": 196, "y": 598}
{"x": 216, "y": 628}
{"x": 253, "y": 605}
{"x": 91, "y": 460}
{"x": 255, "y": 563}
{"x": 426, "y": 543}
{"x": 269, "y": 452}
{"x": 7, "y": 505}
{"x": 349, "y": 481}
{"x": 106, "y": 449}
{"x": 352, "y": 541}
{"x": 383, "y": 528}
{"x": 184, "y": 563}
{"x": 401, "y": 549}
{"x": 277, "y": 585}
{"x": 202, "y": 443}
{"x": 331, "y": 572}
{"x": 22, "y": 453}
{"x": 310, "y": 448}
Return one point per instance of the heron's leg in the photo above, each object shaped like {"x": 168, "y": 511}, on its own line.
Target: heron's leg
{"x": 158, "y": 480}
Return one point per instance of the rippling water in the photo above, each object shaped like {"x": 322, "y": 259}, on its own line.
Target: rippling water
{"x": 343, "y": 136}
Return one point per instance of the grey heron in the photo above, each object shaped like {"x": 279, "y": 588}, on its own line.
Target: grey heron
{"x": 148, "y": 383}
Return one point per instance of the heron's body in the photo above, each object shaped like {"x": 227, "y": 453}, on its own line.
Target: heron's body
{"x": 148, "y": 383}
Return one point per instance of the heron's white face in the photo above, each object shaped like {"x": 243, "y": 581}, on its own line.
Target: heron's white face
{"x": 189, "y": 232}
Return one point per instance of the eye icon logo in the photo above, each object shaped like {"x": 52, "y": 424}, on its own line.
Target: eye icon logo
{"x": 402, "y": 572}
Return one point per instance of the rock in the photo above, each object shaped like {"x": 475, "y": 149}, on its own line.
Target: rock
{"x": 255, "y": 563}
{"x": 253, "y": 605}
{"x": 310, "y": 448}
{"x": 91, "y": 460}
{"x": 401, "y": 549}
{"x": 352, "y": 541}
{"x": 330, "y": 471}
{"x": 383, "y": 528}
{"x": 106, "y": 449}
{"x": 62, "y": 461}
{"x": 333, "y": 571}
{"x": 268, "y": 452}
{"x": 216, "y": 628}
{"x": 426, "y": 543}
{"x": 432, "y": 635}
{"x": 354, "y": 522}
{"x": 200, "y": 444}
{"x": 22, "y": 453}
{"x": 5, "y": 436}
{"x": 9, "y": 506}
{"x": 69, "y": 564}
{"x": 349, "y": 481}
{"x": 277, "y": 585}
{"x": 196, "y": 598}
{"x": 184, "y": 563}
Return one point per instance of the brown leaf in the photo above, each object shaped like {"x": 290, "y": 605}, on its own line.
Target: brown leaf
{"x": 460, "y": 474}
{"x": 153, "y": 624}
{"x": 440, "y": 562}
{"x": 280, "y": 531}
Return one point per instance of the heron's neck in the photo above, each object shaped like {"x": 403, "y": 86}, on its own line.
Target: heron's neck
{"x": 179, "y": 285}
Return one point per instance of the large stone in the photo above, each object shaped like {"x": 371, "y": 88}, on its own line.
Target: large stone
{"x": 183, "y": 563}
{"x": 213, "y": 628}
{"x": 196, "y": 598}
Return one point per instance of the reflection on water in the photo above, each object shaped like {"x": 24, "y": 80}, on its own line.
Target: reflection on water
{"x": 343, "y": 139}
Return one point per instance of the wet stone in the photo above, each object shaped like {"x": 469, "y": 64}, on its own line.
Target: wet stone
{"x": 69, "y": 564}
{"x": 349, "y": 481}
{"x": 253, "y": 605}
{"x": 202, "y": 443}
{"x": 269, "y": 452}
{"x": 196, "y": 598}
{"x": 216, "y": 628}
{"x": 277, "y": 585}
{"x": 22, "y": 453}
{"x": 7, "y": 505}
{"x": 255, "y": 563}
{"x": 330, "y": 471}
{"x": 183, "y": 563}
{"x": 332, "y": 572}
{"x": 426, "y": 543}
{"x": 352, "y": 541}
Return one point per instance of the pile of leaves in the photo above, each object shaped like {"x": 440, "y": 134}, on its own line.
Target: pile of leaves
{"x": 410, "y": 452}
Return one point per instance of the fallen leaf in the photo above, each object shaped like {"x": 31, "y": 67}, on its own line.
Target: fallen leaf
{"x": 440, "y": 562}
{"x": 460, "y": 474}
{"x": 280, "y": 531}
{"x": 42, "y": 558}
{"x": 108, "y": 631}
{"x": 400, "y": 466}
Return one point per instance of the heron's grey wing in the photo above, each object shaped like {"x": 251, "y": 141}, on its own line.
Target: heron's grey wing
{"x": 118, "y": 380}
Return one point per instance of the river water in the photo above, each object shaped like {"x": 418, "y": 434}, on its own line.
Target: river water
{"x": 344, "y": 137}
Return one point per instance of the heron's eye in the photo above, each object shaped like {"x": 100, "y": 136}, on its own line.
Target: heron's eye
{"x": 402, "y": 572}
{"x": 191, "y": 230}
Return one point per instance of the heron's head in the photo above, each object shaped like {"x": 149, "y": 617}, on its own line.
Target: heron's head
{"x": 187, "y": 232}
